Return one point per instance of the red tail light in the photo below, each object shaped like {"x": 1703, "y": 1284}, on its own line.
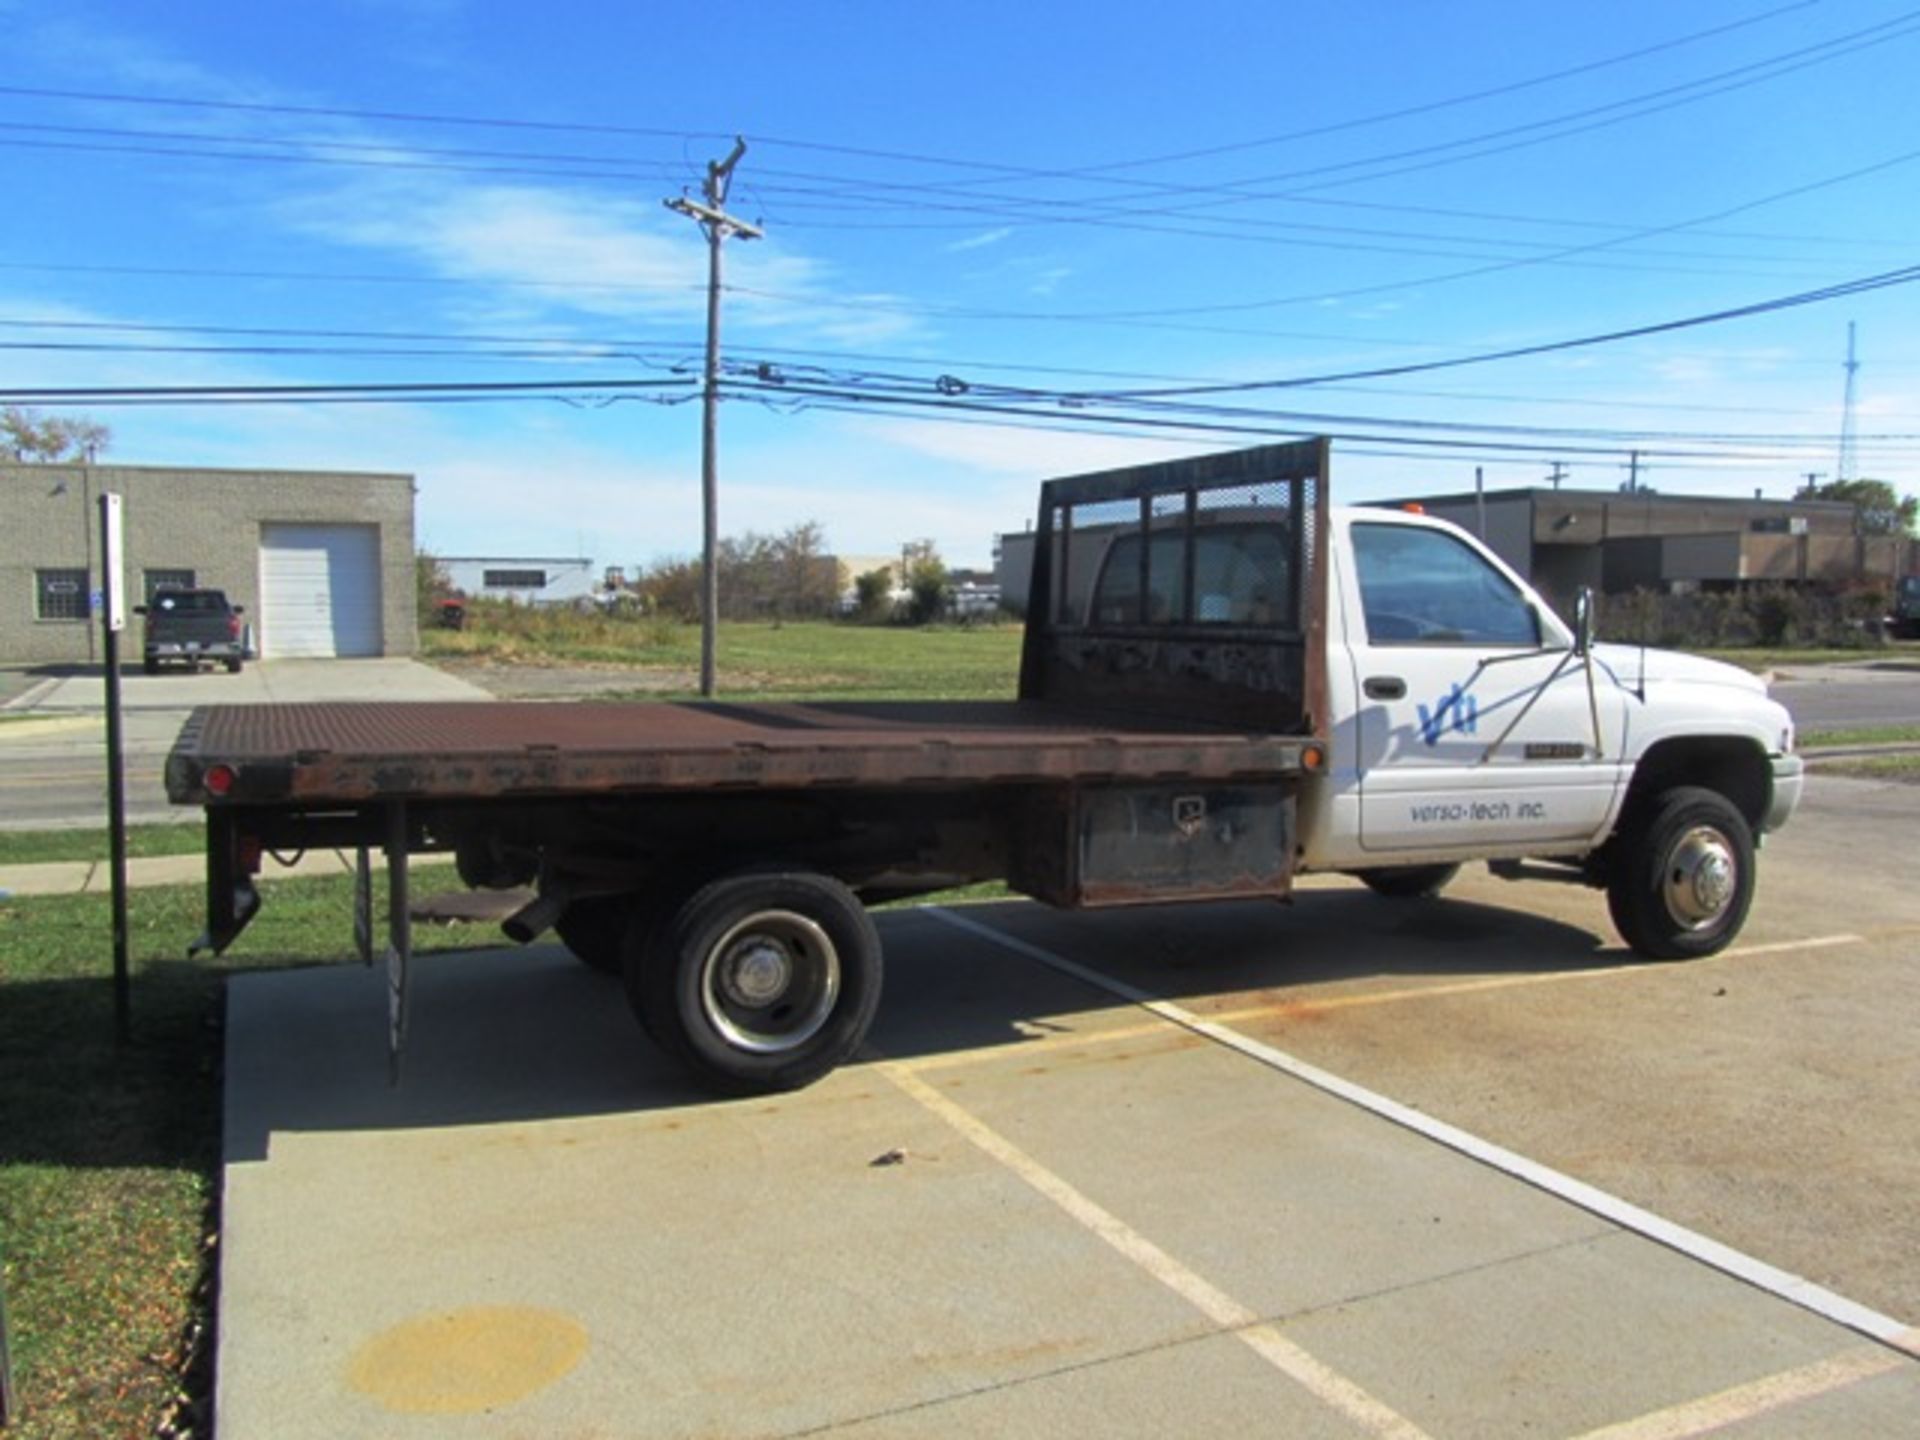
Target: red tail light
{"x": 219, "y": 779}
{"x": 233, "y": 627}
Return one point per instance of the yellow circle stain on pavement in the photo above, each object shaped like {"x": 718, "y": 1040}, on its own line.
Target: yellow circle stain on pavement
{"x": 460, "y": 1362}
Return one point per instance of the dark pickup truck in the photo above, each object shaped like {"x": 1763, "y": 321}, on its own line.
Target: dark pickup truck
{"x": 189, "y": 626}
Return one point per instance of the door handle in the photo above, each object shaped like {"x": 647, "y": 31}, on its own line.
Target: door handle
{"x": 1384, "y": 687}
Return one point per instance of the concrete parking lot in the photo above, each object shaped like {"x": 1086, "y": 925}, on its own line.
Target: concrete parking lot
{"x": 1350, "y": 1167}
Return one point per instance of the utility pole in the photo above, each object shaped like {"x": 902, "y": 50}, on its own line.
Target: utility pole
{"x": 1843, "y": 468}
{"x": 1559, "y": 474}
{"x": 718, "y": 225}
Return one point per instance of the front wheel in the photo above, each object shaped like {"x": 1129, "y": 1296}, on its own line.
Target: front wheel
{"x": 762, "y": 982}
{"x": 1682, "y": 877}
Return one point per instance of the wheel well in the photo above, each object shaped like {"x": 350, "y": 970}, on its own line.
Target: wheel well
{"x": 1734, "y": 767}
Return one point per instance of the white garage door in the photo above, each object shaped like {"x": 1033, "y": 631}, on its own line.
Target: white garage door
{"x": 319, "y": 590}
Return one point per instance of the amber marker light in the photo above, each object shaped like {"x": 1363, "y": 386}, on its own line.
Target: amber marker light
{"x": 1313, "y": 759}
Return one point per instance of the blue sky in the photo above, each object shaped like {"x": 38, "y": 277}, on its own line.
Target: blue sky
{"x": 1053, "y": 208}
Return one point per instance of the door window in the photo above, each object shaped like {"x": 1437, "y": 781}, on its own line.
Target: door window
{"x": 1425, "y": 587}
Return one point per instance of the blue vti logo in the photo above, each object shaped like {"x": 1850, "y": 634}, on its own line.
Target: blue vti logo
{"x": 1456, "y": 710}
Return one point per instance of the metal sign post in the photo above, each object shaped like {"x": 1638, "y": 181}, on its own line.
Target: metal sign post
{"x": 8, "y": 1409}
{"x": 113, "y": 619}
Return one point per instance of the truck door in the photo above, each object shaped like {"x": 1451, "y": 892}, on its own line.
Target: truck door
{"x": 1476, "y": 728}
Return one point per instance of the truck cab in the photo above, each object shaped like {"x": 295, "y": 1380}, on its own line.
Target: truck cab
{"x": 1467, "y": 720}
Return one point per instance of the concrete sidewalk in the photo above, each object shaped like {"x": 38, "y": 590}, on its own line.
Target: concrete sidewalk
{"x": 76, "y": 877}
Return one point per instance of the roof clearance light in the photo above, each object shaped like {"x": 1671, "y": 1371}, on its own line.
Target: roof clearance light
{"x": 219, "y": 780}
{"x": 1414, "y": 507}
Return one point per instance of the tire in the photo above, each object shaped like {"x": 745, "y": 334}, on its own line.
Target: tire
{"x": 594, "y": 931}
{"x": 762, "y": 982}
{"x": 1409, "y": 882}
{"x": 151, "y": 666}
{"x": 1682, "y": 875}
{"x": 233, "y": 665}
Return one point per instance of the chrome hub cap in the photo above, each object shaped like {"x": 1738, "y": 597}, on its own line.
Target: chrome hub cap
{"x": 1702, "y": 876}
{"x": 771, "y": 982}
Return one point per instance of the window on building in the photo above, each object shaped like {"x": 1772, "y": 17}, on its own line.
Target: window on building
{"x": 60, "y": 594}
{"x": 158, "y": 580}
{"x": 514, "y": 579}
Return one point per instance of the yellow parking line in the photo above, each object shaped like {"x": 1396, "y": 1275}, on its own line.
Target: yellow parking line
{"x": 1312, "y": 1374}
{"x": 1757, "y": 1397}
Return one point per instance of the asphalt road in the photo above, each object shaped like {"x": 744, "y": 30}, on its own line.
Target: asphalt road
{"x": 1829, "y": 697}
{"x": 1349, "y": 1167}
{"x": 53, "y": 735}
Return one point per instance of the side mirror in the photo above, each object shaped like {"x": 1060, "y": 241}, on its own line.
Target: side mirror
{"x": 1583, "y": 620}
{"x": 239, "y": 609}
{"x": 139, "y": 609}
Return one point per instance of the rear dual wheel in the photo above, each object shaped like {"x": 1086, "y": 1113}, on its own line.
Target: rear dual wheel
{"x": 761, "y": 981}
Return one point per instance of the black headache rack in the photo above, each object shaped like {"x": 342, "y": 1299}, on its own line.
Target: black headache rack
{"x": 1193, "y": 590}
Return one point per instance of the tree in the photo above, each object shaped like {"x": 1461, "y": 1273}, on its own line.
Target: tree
{"x": 27, "y": 435}
{"x": 1882, "y": 511}
{"x": 926, "y": 575}
{"x": 873, "y": 593}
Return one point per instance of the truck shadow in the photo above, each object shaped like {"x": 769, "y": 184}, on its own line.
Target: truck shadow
{"x": 961, "y": 990}
{"x": 505, "y": 1036}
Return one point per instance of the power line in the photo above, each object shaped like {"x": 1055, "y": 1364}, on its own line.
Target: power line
{"x": 1889, "y": 279}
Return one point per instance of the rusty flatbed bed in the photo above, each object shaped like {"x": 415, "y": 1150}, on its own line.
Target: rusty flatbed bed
{"x": 353, "y": 753}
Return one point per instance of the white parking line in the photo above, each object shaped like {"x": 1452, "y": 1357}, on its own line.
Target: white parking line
{"x": 1757, "y": 1397}
{"x": 1319, "y": 1379}
{"x": 1794, "y": 1289}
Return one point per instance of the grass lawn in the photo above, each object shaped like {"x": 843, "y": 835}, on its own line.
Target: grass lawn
{"x": 1905, "y": 768}
{"x": 805, "y": 659}
{"x": 35, "y": 847}
{"x": 109, "y": 1161}
{"x": 1875, "y": 735}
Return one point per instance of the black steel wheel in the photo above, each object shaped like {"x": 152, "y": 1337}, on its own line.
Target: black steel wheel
{"x": 763, "y": 981}
{"x": 1409, "y": 882}
{"x": 1682, "y": 875}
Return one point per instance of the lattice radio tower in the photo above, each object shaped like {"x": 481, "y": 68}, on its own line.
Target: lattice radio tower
{"x": 1843, "y": 469}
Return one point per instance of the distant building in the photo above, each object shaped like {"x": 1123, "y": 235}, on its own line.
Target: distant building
{"x": 523, "y": 581}
{"x": 321, "y": 560}
{"x": 1616, "y": 541}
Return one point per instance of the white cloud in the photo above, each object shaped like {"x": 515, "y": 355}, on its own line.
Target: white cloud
{"x": 981, "y": 241}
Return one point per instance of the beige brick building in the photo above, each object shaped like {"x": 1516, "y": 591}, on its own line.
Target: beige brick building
{"x": 322, "y": 560}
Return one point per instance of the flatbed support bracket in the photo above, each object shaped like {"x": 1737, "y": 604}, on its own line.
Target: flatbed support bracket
{"x": 399, "y": 937}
